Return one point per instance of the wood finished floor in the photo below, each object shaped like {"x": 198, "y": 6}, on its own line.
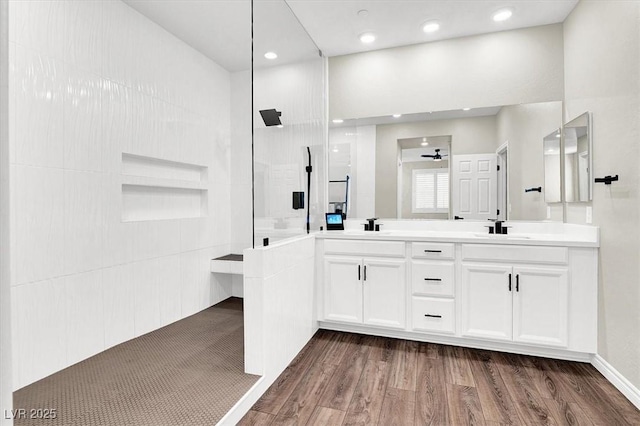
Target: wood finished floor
{"x": 351, "y": 379}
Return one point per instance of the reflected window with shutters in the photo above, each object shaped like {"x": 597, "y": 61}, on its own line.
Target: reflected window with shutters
{"x": 430, "y": 191}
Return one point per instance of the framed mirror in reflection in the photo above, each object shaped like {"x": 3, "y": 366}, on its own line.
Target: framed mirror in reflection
{"x": 578, "y": 159}
{"x": 388, "y": 177}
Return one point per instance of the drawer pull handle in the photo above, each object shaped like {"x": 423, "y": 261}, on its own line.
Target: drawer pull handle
{"x": 433, "y": 251}
{"x": 509, "y": 282}
{"x": 433, "y": 279}
{"x": 359, "y": 278}
{"x": 433, "y": 316}
{"x": 517, "y": 282}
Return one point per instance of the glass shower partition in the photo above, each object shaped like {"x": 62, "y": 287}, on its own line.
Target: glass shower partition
{"x": 292, "y": 84}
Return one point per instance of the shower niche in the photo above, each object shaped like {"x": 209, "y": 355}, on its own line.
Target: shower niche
{"x": 158, "y": 189}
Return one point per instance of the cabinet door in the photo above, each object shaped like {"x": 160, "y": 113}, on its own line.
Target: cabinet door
{"x": 540, "y": 311}
{"x": 384, "y": 292}
{"x": 486, "y": 301}
{"x": 342, "y": 289}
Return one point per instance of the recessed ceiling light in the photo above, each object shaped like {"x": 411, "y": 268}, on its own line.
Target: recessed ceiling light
{"x": 368, "y": 38}
{"x": 335, "y": 149}
{"x": 397, "y": 115}
{"x": 502, "y": 15}
{"x": 431, "y": 27}
{"x": 338, "y": 120}
{"x": 270, "y": 55}
{"x": 363, "y": 13}
{"x": 424, "y": 143}
{"x": 466, "y": 109}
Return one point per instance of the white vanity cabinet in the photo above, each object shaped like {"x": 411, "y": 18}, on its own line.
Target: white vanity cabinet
{"x": 433, "y": 287}
{"x": 365, "y": 290}
{"x": 524, "y": 299}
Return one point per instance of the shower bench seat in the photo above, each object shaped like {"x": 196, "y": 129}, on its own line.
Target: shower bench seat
{"x": 228, "y": 264}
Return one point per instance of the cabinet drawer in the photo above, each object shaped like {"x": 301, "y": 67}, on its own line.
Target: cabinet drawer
{"x": 370, "y": 248}
{"x": 432, "y": 314}
{"x": 512, "y": 253}
{"x": 430, "y": 278}
{"x": 432, "y": 250}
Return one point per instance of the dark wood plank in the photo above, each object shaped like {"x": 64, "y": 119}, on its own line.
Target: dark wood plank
{"x": 398, "y": 407}
{"x": 456, "y": 363}
{"x": 539, "y": 376}
{"x": 628, "y": 410}
{"x": 369, "y": 394}
{"x": 274, "y": 398}
{"x": 383, "y": 349}
{"x": 567, "y": 413}
{"x": 256, "y": 418}
{"x": 464, "y": 405}
{"x": 528, "y": 401}
{"x": 495, "y": 400}
{"x": 299, "y": 407}
{"x": 336, "y": 347}
{"x": 342, "y": 385}
{"x": 597, "y": 404}
{"x": 506, "y": 388}
{"x": 404, "y": 366}
{"x": 430, "y": 350}
{"x": 431, "y": 395}
{"x": 323, "y": 416}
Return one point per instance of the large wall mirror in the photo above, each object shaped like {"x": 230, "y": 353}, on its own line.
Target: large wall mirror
{"x": 473, "y": 163}
{"x": 578, "y": 159}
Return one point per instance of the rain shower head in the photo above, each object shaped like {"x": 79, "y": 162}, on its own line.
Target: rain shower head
{"x": 271, "y": 117}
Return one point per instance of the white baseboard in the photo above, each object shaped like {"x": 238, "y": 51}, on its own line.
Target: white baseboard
{"x": 618, "y": 380}
{"x": 242, "y": 407}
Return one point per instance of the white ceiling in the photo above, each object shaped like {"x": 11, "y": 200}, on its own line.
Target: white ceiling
{"x": 335, "y": 25}
{"x": 421, "y": 116}
{"x": 221, "y": 29}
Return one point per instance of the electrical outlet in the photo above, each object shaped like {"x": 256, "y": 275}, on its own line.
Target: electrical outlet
{"x": 548, "y": 212}
{"x": 589, "y": 218}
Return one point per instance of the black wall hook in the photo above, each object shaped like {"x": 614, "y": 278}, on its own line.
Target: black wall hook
{"x": 538, "y": 189}
{"x": 607, "y": 179}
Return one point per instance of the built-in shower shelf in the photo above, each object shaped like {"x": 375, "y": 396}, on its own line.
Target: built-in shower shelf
{"x": 229, "y": 264}
{"x": 164, "y": 183}
{"x": 160, "y": 189}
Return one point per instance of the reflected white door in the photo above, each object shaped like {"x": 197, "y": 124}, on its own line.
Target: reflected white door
{"x": 475, "y": 186}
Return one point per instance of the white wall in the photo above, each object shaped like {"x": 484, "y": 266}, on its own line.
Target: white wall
{"x": 503, "y": 68}
{"x": 91, "y": 80}
{"x": 602, "y": 75}
{"x": 6, "y": 395}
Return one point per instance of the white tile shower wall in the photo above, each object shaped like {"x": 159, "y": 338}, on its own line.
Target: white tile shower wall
{"x": 90, "y": 80}
{"x": 279, "y": 315}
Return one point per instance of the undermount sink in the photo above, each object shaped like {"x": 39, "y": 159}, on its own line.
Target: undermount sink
{"x": 372, "y": 233}
{"x": 503, "y": 236}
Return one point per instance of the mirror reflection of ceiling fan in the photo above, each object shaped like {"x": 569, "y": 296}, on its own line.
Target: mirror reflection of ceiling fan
{"x": 437, "y": 156}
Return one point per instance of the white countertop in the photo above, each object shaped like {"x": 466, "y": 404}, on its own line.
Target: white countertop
{"x": 521, "y": 233}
